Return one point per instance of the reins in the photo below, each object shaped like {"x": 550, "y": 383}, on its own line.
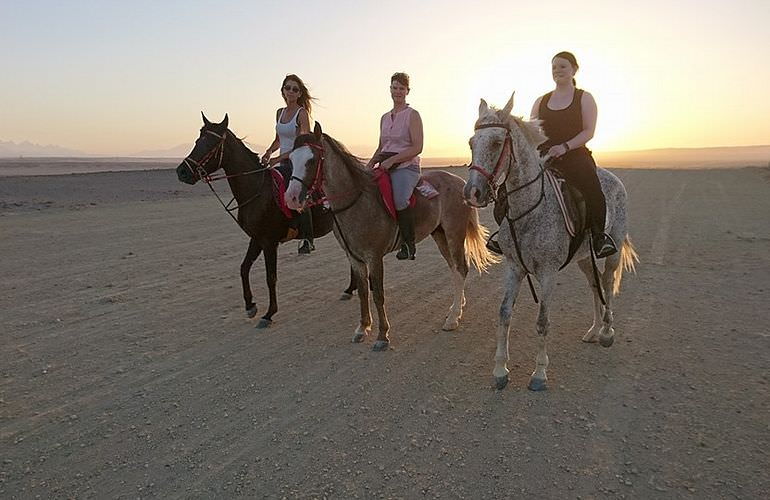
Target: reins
{"x": 490, "y": 178}
{"x": 200, "y": 171}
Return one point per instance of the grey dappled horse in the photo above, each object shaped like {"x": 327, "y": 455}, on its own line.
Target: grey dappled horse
{"x": 504, "y": 149}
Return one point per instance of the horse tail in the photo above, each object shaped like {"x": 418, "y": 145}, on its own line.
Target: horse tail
{"x": 628, "y": 260}
{"x": 476, "y": 244}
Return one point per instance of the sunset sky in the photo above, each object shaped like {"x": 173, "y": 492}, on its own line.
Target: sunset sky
{"x": 117, "y": 77}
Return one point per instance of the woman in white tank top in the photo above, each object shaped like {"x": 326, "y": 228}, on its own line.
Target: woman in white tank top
{"x": 291, "y": 121}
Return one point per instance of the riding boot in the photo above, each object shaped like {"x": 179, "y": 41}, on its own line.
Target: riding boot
{"x": 406, "y": 226}
{"x": 604, "y": 245}
{"x": 306, "y": 232}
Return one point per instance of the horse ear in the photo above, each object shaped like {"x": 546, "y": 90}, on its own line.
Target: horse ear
{"x": 509, "y": 106}
{"x": 483, "y": 107}
{"x": 317, "y": 131}
{"x": 225, "y": 121}
{"x": 205, "y": 120}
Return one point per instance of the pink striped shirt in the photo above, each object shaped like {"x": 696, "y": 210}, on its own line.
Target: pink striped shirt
{"x": 394, "y": 134}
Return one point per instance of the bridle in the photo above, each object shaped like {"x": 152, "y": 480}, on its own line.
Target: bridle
{"x": 316, "y": 186}
{"x": 507, "y": 148}
{"x": 196, "y": 167}
{"x": 490, "y": 178}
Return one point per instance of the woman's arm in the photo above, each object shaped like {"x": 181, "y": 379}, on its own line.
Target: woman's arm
{"x": 304, "y": 122}
{"x": 273, "y": 145}
{"x": 377, "y": 151}
{"x": 416, "y": 136}
{"x": 533, "y": 115}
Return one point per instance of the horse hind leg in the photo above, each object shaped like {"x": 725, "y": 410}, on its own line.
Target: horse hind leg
{"x": 458, "y": 265}
{"x": 248, "y": 260}
{"x": 593, "y": 332}
{"x": 607, "y": 332}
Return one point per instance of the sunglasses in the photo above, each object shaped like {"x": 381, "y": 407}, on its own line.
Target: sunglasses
{"x": 290, "y": 88}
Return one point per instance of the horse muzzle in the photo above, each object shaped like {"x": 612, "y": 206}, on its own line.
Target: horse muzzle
{"x": 184, "y": 174}
{"x": 475, "y": 196}
{"x": 295, "y": 195}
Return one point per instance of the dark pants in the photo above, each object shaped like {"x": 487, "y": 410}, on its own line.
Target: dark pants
{"x": 579, "y": 169}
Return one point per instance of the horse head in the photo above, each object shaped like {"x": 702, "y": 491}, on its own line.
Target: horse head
{"x": 206, "y": 155}
{"x": 307, "y": 168}
{"x": 491, "y": 153}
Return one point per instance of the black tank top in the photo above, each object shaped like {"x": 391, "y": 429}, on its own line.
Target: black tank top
{"x": 562, "y": 125}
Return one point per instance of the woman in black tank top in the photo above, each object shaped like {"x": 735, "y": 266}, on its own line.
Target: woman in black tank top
{"x": 568, "y": 116}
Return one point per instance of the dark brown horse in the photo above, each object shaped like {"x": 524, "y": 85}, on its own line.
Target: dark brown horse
{"x": 259, "y": 215}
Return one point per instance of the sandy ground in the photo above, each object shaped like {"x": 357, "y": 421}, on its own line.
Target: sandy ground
{"x": 128, "y": 367}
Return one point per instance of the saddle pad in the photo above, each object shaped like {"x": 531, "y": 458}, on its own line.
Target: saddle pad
{"x": 426, "y": 189}
{"x": 279, "y": 188}
{"x": 556, "y": 183}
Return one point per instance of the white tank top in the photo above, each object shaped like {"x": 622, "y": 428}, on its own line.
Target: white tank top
{"x": 287, "y": 132}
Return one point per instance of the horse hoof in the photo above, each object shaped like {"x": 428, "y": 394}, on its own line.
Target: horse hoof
{"x": 380, "y": 345}
{"x": 537, "y": 384}
{"x": 251, "y": 311}
{"x": 346, "y": 296}
{"x": 501, "y": 382}
{"x": 606, "y": 341}
{"x": 589, "y": 338}
{"x": 264, "y": 323}
{"x": 450, "y": 325}
{"x": 358, "y": 337}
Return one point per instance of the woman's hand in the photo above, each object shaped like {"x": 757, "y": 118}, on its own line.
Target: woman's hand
{"x": 387, "y": 164}
{"x": 557, "y": 151}
{"x": 266, "y": 157}
{"x": 273, "y": 161}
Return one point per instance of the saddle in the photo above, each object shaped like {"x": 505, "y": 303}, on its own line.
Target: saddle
{"x": 571, "y": 203}
{"x": 382, "y": 179}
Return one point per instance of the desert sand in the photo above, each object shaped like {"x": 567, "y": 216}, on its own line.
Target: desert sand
{"x": 128, "y": 367}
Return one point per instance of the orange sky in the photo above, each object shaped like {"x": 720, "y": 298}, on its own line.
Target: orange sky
{"x": 119, "y": 78}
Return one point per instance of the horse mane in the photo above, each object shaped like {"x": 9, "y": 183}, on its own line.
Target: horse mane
{"x": 353, "y": 163}
{"x": 249, "y": 153}
{"x": 531, "y": 129}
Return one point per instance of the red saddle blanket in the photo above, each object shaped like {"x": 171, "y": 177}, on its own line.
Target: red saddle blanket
{"x": 279, "y": 188}
{"x": 386, "y": 191}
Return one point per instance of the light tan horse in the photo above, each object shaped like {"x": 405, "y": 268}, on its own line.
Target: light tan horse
{"x": 367, "y": 233}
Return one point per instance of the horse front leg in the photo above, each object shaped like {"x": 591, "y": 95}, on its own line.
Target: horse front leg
{"x": 376, "y": 279}
{"x": 537, "y": 382}
{"x": 271, "y": 277}
{"x": 512, "y": 282}
{"x": 362, "y": 278}
{"x": 251, "y": 255}
{"x": 348, "y": 293}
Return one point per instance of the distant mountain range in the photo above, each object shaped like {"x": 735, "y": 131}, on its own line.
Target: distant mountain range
{"x": 26, "y": 148}
{"x": 10, "y": 149}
